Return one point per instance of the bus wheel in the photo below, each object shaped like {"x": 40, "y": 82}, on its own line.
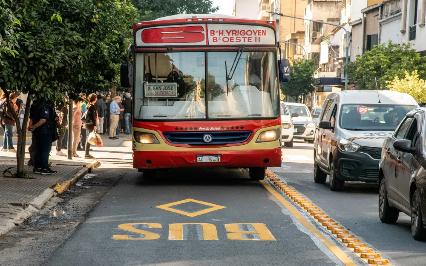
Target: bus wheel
{"x": 257, "y": 173}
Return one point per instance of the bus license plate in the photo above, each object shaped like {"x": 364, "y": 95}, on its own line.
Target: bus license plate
{"x": 208, "y": 158}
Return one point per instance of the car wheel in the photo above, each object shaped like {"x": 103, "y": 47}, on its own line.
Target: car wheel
{"x": 257, "y": 173}
{"x": 335, "y": 183}
{"x": 310, "y": 141}
{"x": 417, "y": 227}
{"x": 289, "y": 144}
{"x": 387, "y": 214}
{"x": 319, "y": 175}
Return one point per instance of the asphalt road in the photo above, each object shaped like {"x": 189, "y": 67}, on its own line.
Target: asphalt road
{"x": 355, "y": 208}
{"x": 246, "y": 225}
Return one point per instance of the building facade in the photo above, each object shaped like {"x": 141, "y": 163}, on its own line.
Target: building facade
{"x": 246, "y": 9}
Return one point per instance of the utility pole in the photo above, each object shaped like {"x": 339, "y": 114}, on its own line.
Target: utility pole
{"x": 347, "y": 40}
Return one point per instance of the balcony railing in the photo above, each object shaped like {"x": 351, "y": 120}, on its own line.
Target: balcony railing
{"x": 412, "y": 32}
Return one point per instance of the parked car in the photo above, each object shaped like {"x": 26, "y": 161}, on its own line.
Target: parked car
{"x": 304, "y": 126}
{"x": 316, "y": 111}
{"x": 353, "y": 126}
{"x": 403, "y": 174}
{"x": 287, "y": 130}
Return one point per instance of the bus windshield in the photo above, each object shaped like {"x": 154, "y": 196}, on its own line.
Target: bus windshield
{"x": 206, "y": 85}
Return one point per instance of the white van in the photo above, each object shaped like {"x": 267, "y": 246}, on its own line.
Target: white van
{"x": 353, "y": 126}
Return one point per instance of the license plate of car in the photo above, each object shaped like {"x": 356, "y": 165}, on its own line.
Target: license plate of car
{"x": 208, "y": 158}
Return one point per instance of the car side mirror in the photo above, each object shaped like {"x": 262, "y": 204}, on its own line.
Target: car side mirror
{"x": 403, "y": 145}
{"x": 294, "y": 115}
{"x": 325, "y": 125}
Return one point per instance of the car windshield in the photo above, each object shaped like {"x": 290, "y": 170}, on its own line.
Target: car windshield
{"x": 206, "y": 85}
{"x": 372, "y": 117}
{"x": 298, "y": 110}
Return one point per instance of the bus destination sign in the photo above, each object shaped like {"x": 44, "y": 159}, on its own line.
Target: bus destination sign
{"x": 211, "y": 34}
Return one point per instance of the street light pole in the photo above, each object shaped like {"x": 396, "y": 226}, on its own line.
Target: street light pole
{"x": 347, "y": 33}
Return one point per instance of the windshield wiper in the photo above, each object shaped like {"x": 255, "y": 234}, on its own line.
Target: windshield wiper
{"x": 231, "y": 73}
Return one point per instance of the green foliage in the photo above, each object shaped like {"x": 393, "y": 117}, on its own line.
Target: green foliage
{"x": 8, "y": 25}
{"x": 375, "y": 68}
{"x": 301, "y": 79}
{"x": 411, "y": 84}
{"x": 152, "y": 9}
{"x": 67, "y": 45}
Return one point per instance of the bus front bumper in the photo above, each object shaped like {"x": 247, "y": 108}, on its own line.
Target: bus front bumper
{"x": 188, "y": 159}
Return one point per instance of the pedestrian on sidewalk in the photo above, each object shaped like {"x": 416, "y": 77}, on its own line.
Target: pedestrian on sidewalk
{"x": 82, "y": 144}
{"x": 101, "y": 108}
{"x": 127, "y": 112}
{"x": 8, "y": 120}
{"x": 62, "y": 114}
{"x": 107, "y": 101}
{"x": 91, "y": 121}
{"x": 114, "y": 117}
{"x": 76, "y": 126}
{"x": 42, "y": 120}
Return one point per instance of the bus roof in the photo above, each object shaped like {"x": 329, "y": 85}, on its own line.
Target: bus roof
{"x": 201, "y": 18}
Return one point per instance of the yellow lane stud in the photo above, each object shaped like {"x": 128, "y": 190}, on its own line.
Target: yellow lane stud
{"x": 343, "y": 235}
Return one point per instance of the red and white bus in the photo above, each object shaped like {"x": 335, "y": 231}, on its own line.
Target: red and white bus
{"x": 206, "y": 94}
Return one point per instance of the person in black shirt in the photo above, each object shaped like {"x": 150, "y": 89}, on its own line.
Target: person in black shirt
{"x": 41, "y": 115}
{"x": 127, "y": 112}
{"x": 91, "y": 121}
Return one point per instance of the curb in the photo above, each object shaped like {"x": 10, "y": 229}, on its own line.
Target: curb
{"x": 37, "y": 204}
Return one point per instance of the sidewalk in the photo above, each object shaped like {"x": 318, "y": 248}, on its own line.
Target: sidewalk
{"x": 20, "y": 198}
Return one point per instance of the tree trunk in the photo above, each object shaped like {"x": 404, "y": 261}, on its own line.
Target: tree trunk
{"x": 22, "y": 136}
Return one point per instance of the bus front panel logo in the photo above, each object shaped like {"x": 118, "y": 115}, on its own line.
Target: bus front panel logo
{"x": 207, "y": 138}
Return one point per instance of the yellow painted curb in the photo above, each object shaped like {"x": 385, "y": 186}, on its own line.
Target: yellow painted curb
{"x": 340, "y": 233}
{"x": 65, "y": 185}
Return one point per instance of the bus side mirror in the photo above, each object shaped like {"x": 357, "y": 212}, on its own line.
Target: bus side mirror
{"x": 282, "y": 70}
{"x": 124, "y": 76}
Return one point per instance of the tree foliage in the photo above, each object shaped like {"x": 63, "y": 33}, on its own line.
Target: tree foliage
{"x": 152, "y": 9}
{"x": 8, "y": 25}
{"x": 375, "y": 68}
{"x": 412, "y": 84}
{"x": 301, "y": 79}
{"x": 65, "y": 46}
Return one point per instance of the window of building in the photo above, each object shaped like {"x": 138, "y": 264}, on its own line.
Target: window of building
{"x": 372, "y": 40}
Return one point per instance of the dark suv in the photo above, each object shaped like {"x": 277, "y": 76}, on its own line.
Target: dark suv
{"x": 402, "y": 174}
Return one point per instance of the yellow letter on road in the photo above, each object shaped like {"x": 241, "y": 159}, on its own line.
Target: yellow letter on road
{"x": 209, "y": 232}
{"x": 249, "y": 231}
{"x": 138, "y": 234}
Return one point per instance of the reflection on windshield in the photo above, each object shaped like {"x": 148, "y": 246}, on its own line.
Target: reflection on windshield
{"x": 250, "y": 89}
{"x": 174, "y": 85}
{"x": 372, "y": 117}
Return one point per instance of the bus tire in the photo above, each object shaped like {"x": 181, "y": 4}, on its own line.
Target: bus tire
{"x": 257, "y": 173}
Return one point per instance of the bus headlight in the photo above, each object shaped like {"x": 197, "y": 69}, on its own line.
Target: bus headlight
{"x": 145, "y": 138}
{"x": 269, "y": 135}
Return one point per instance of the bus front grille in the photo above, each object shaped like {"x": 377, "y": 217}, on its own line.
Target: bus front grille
{"x": 207, "y": 138}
